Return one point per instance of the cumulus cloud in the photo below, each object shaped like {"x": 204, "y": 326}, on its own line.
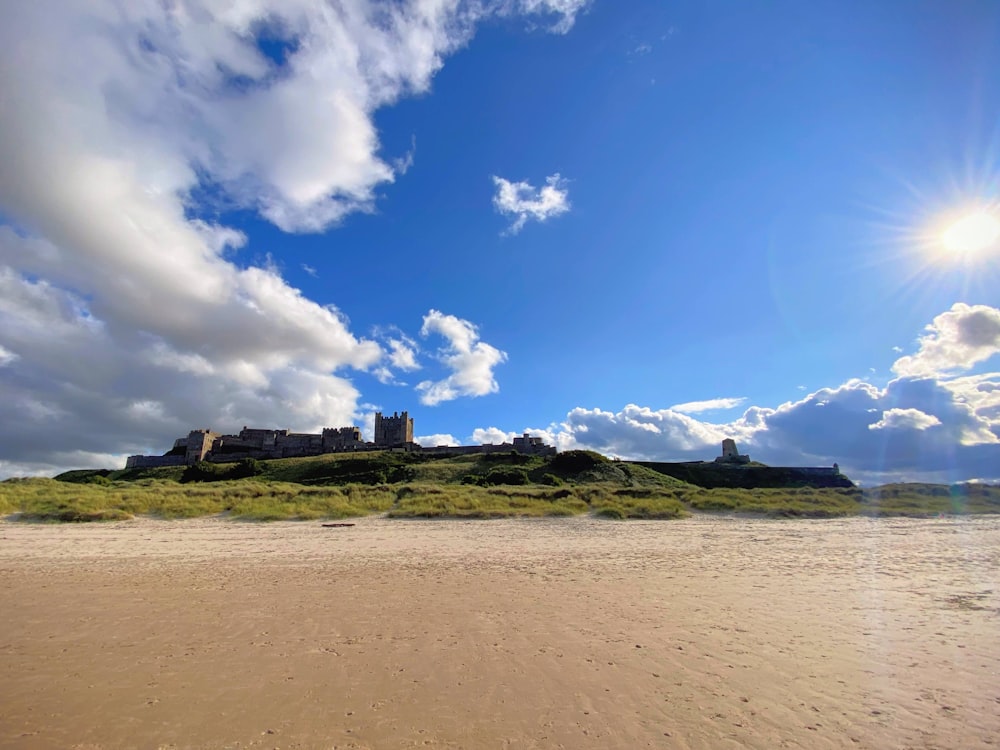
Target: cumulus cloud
{"x": 955, "y": 341}
{"x": 118, "y": 291}
{"x": 491, "y": 436}
{"x": 403, "y": 354}
{"x": 432, "y": 441}
{"x": 640, "y": 432}
{"x": 915, "y": 428}
{"x": 919, "y": 429}
{"x": 470, "y": 360}
{"x": 522, "y": 201}
{"x": 905, "y": 419}
{"x": 496, "y": 436}
{"x": 693, "y": 407}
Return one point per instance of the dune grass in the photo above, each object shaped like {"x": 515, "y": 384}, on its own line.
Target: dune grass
{"x": 470, "y": 501}
{"x": 802, "y": 502}
{"x": 635, "y": 502}
{"x": 930, "y": 499}
{"x": 50, "y": 500}
{"x": 411, "y": 485}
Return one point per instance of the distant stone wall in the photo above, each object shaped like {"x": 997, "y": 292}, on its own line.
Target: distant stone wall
{"x": 815, "y": 471}
{"x": 534, "y": 449}
{"x": 391, "y": 433}
{"x": 150, "y": 462}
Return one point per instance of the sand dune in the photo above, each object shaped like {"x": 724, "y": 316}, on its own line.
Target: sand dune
{"x": 575, "y": 633}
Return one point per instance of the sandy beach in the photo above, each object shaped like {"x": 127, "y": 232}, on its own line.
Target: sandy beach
{"x": 568, "y": 633}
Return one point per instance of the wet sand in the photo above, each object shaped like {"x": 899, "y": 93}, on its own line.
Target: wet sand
{"x": 575, "y": 633}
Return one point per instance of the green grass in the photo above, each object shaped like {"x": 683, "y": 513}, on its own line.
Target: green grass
{"x": 50, "y": 500}
{"x": 930, "y": 499}
{"x": 803, "y": 502}
{"x": 408, "y": 485}
{"x": 469, "y": 501}
{"x": 649, "y": 503}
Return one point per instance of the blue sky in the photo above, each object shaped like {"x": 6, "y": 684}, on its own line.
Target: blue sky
{"x": 634, "y": 227}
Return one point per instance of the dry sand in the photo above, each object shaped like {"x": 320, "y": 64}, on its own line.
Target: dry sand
{"x": 575, "y": 633}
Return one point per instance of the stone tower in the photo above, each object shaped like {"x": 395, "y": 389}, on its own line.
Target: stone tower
{"x": 730, "y": 455}
{"x": 394, "y": 430}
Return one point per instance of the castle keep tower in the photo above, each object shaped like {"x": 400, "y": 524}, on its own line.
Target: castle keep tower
{"x": 394, "y": 430}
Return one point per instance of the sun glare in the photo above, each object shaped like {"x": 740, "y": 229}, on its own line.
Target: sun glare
{"x": 972, "y": 233}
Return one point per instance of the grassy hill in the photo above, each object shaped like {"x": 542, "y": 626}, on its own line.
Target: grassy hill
{"x": 414, "y": 485}
{"x": 385, "y": 467}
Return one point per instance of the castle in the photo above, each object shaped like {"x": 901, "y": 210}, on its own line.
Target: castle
{"x": 391, "y": 433}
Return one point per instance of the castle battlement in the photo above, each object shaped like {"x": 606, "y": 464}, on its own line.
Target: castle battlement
{"x": 395, "y": 432}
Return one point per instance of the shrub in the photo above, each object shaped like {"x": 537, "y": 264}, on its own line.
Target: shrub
{"x": 574, "y": 462}
{"x": 505, "y": 475}
{"x": 248, "y": 467}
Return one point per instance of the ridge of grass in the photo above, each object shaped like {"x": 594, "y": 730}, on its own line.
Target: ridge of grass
{"x": 486, "y": 485}
{"x": 51, "y": 500}
{"x": 442, "y": 501}
{"x": 263, "y": 499}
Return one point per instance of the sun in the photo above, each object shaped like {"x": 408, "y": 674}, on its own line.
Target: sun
{"x": 972, "y": 233}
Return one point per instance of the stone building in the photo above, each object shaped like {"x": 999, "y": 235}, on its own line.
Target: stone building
{"x": 198, "y": 445}
{"x": 390, "y": 432}
{"x": 533, "y": 445}
{"x": 730, "y": 455}
{"x": 342, "y": 439}
{"x": 393, "y": 431}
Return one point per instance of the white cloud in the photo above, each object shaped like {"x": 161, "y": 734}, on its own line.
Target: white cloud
{"x": 905, "y": 419}
{"x": 693, "y": 407}
{"x": 640, "y": 433}
{"x": 919, "y": 429}
{"x": 564, "y": 10}
{"x": 310, "y": 270}
{"x": 403, "y": 354}
{"x": 56, "y": 463}
{"x": 470, "y": 360}
{"x": 938, "y": 429}
{"x": 491, "y": 436}
{"x": 955, "y": 341}
{"x": 402, "y": 164}
{"x": 432, "y": 441}
{"x": 6, "y": 357}
{"x": 116, "y": 290}
{"x": 385, "y": 376}
{"x": 523, "y": 201}
{"x": 496, "y": 436}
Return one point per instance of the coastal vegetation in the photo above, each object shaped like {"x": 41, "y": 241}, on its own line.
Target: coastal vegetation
{"x": 409, "y": 485}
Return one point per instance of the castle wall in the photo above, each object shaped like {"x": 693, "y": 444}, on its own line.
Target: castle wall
{"x": 299, "y": 444}
{"x": 199, "y": 443}
{"x": 391, "y": 433}
{"x": 341, "y": 439}
{"x": 150, "y": 462}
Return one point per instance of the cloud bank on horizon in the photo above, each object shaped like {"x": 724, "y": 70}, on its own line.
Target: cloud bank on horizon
{"x": 129, "y": 312}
